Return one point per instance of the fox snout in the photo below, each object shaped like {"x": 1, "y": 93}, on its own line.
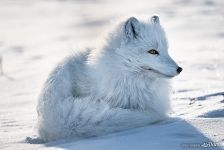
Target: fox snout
{"x": 179, "y": 69}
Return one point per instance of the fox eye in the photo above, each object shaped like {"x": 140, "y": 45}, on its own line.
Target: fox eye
{"x": 153, "y": 52}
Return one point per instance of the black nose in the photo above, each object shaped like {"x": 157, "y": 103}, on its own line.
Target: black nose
{"x": 179, "y": 69}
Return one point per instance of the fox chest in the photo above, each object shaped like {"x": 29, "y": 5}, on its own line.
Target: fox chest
{"x": 127, "y": 97}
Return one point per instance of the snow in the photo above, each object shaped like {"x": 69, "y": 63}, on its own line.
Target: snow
{"x": 36, "y": 35}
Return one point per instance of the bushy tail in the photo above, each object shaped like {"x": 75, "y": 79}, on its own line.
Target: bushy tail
{"x": 85, "y": 118}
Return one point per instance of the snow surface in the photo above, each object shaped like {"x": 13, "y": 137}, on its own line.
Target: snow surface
{"x": 36, "y": 34}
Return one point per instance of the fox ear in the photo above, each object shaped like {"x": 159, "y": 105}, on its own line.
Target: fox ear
{"x": 132, "y": 28}
{"x": 155, "y": 19}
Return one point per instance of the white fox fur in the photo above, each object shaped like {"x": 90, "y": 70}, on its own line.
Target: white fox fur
{"x": 116, "y": 87}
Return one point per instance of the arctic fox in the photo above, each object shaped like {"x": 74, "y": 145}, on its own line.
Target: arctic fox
{"x": 120, "y": 86}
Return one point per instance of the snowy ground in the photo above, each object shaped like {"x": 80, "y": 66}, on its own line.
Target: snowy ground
{"x": 36, "y": 34}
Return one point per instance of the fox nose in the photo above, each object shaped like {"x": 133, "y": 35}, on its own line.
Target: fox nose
{"x": 179, "y": 69}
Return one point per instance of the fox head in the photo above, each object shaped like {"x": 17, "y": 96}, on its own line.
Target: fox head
{"x": 144, "y": 48}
